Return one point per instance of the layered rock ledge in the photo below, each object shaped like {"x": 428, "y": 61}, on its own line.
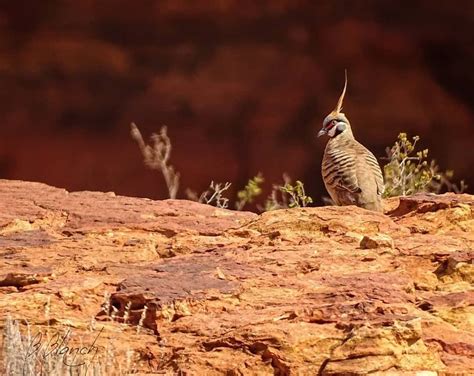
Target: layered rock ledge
{"x": 329, "y": 290}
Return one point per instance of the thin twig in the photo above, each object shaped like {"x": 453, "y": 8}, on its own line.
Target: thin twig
{"x": 157, "y": 156}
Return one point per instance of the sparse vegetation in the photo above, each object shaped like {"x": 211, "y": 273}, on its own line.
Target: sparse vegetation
{"x": 298, "y": 197}
{"x": 251, "y": 191}
{"x": 278, "y": 198}
{"x": 58, "y": 351}
{"x": 157, "y": 155}
{"x": 444, "y": 181}
{"x": 215, "y": 195}
{"x": 409, "y": 171}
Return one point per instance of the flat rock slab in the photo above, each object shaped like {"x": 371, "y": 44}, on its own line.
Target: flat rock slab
{"x": 39, "y": 205}
{"x": 200, "y": 290}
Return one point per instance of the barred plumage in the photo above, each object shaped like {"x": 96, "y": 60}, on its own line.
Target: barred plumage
{"x": 351, "y": 173}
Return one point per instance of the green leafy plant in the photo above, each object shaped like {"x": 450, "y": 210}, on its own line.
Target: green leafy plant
{"x": 297, "y": 194}
{"x": 251, "y": 191}
{"x": 408, "y": 171}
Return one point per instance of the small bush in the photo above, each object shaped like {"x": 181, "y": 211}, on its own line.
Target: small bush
{"x": 409, "y": 171}
{"x": 297, "y": 195}
{"x": 251, "y": 191}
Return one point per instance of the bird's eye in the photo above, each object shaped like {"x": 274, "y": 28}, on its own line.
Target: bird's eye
{"x": 334, "y": 122}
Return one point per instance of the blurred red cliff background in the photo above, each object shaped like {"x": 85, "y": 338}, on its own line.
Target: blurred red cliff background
{"x": 243, "y": 87}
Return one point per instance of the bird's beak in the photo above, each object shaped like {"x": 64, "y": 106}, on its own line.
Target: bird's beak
{"x": 322, "y": 132}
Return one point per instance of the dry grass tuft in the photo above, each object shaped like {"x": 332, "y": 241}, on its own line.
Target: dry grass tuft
{"x": 59, "y": 351}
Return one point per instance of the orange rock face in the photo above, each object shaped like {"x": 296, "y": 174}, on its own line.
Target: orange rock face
{"x": 192, "y": 289}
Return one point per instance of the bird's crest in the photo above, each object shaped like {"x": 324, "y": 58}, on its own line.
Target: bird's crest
{"x": 338, "y": 108}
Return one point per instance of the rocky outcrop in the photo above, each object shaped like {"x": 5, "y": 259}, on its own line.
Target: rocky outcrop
{"x": 207, "y": 291}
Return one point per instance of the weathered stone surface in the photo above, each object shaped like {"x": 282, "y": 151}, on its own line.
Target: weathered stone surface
{"x": 25, "y": 276}
{"x": 376, "y": 241}
{"x": 202, "y": 290}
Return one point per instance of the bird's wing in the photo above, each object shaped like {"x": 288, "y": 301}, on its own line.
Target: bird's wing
{"x": 375, "y": 168}
{"x": 339, "y": 170}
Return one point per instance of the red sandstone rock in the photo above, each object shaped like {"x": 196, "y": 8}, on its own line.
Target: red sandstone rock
{"x": 287, "y": 292}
